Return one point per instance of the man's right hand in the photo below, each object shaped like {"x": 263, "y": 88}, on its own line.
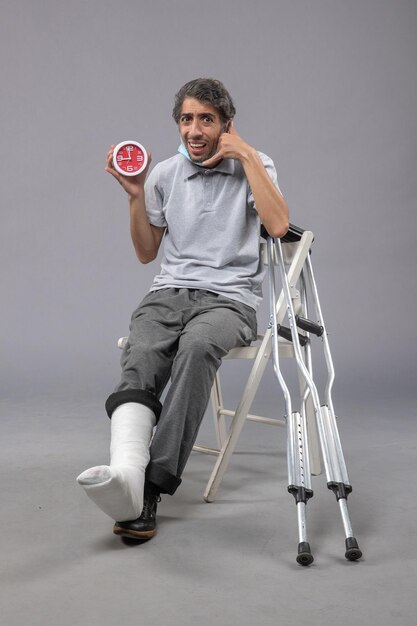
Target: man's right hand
{"x": 133, "y": 185}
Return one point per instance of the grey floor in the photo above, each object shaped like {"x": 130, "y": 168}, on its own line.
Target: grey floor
{"x": 229, "y": 562}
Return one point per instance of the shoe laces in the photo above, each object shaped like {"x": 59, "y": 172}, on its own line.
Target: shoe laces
{"x": 149, "y": 503}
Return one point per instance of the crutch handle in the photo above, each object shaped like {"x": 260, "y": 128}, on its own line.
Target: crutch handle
{"x": 285, "y": 333}
{"x": 309, "y": 326}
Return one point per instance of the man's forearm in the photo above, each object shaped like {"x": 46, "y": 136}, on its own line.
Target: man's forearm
{"x": 145, "y": 237}
{"x": 271, "y": 206}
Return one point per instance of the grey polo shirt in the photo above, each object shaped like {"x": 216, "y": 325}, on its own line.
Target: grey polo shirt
{"x": 212, "y": 227}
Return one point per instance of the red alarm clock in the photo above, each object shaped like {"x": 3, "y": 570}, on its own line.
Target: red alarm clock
{"x": 130, "y": 158}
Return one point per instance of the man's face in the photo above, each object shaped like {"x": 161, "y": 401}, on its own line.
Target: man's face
{"x": 200, "y": 128}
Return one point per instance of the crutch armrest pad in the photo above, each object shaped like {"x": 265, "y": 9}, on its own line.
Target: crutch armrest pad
{"x": 294, "y": 233}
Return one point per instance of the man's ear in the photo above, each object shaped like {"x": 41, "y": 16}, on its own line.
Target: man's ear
{"x": 227, "y": 126}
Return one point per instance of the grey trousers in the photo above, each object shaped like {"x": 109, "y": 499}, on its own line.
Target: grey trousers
{"x": 182, "y": 335}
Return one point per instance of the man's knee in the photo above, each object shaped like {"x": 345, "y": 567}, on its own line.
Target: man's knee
{"x": 198, "y": 345}
{"x": 138, "y": 351}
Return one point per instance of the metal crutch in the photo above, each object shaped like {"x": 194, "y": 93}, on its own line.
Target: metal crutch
{"x": 335, "y": 467}
{"x": 299, "y": 476}
{"x": 336, "y": 472}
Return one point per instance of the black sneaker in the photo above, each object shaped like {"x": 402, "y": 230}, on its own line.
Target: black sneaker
{"x": 144, "y": 527}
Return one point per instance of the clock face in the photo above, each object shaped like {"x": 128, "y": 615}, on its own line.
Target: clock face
{"x": 130, "y": 158}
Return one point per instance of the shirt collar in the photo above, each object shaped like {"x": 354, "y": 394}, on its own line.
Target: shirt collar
{"x": 190, "y": 169}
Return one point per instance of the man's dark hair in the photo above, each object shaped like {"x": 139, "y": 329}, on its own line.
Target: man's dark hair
{"x": 206, "y": 90}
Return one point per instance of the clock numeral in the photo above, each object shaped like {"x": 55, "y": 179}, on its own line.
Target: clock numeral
{"x": 129, "y": 148}
{"x": 130, "y": 168}
{"x": 119, "y": 157}
{"x": 139, "y": 157}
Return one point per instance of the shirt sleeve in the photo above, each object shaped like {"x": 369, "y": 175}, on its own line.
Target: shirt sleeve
{"x": 272, "y": 173}
{"x": 154, "y": 199}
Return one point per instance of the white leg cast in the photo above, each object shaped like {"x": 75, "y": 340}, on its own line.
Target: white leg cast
{"x": 117, "y": 489}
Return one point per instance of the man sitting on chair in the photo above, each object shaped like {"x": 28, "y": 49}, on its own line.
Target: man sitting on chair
{"x": 207, "y": 202}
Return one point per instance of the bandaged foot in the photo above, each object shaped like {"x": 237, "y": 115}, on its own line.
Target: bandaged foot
{"x": 117, "y": 489}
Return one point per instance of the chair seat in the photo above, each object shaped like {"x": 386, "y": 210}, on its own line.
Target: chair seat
{"x": 250, "y": 352}
{"x": 242, "y": 352}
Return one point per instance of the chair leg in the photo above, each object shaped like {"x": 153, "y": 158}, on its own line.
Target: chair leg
{"x": 217, "y": 407}
{"x": 238, "y": 421}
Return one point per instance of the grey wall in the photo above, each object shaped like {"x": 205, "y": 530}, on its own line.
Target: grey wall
{"x": 326, "y": 88}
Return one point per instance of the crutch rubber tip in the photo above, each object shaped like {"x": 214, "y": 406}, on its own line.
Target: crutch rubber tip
{"x": 353, "y": 553}
{"x": 304, "y": 556}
